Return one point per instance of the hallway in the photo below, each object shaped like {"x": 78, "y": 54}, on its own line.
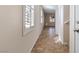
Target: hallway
{"x": 35, "y": 28}
{"x": 48, "y": 43}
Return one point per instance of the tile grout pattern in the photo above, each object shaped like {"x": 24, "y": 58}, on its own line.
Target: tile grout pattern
{"x": 48, "y": 43}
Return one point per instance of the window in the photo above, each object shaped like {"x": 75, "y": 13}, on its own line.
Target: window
{"x": 29, "y": 16}
{"x": 41, "y": 15}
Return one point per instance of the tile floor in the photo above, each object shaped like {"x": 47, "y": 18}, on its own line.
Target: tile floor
{"x": 48, "y": 43}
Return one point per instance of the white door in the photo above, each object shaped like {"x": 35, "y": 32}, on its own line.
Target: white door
{"x": 76, "y": 28}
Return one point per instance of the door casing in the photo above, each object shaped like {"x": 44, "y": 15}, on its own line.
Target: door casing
{"x": 71, "y": 42}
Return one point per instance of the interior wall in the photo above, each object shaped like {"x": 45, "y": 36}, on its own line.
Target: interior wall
{"x": 47, "y": 19}
{"x": 59, "y": 22}
{"x": 11, "y": 39}
{"x": 76, "y": 27}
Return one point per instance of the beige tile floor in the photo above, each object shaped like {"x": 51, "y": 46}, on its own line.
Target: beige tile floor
{"x": 48, "y": 43}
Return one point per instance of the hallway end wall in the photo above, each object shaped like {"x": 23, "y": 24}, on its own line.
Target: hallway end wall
{"x": 47, "y": 19}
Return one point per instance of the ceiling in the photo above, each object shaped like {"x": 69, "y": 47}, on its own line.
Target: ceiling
{"x": 49, "y": 8}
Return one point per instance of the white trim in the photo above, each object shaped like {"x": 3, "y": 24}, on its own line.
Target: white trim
{"x": 25, "y": 30}
{"x": 71, "y": 42}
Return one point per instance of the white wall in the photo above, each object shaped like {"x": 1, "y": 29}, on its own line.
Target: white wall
{"x": 76, "y": 27}
{"x": 61, "y": 15}
{"x": 59, "y": 22}
{"x": 11, "y": 39}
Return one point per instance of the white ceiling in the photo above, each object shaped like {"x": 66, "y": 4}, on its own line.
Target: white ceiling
{"x": 49, "y": 8}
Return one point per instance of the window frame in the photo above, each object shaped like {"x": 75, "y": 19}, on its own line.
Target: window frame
{"x": 24, "y": 29}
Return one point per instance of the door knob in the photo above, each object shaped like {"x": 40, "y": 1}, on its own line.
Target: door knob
{"x": 76, "y": 30}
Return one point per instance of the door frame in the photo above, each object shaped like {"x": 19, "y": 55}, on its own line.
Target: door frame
{"x": 72, "y": 40}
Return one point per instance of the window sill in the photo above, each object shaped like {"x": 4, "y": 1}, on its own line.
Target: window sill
{"x": 28, "y": 31}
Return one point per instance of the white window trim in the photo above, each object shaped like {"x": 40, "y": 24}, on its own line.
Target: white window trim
{"x": 24, "y": 30}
